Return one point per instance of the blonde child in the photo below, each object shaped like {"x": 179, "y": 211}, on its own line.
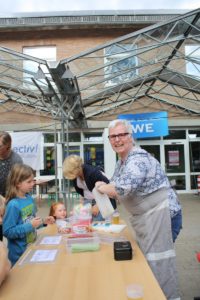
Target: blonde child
{"x": 20, "y": 221}
{"x": 58, "y": 211}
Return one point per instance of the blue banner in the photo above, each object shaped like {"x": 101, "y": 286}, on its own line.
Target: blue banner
{"x": 148, "y": 125}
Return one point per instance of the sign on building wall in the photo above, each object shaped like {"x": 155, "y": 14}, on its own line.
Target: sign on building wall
{"x": 30, "y": 146}
{"x": 148, "y": 124}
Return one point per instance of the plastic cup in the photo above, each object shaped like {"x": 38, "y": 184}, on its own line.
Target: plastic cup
{"x": 134, "y": 291}
{"x": 115, "y": 218}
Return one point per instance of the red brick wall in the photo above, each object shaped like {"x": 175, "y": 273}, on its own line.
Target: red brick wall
{"x": 68, "y": 42}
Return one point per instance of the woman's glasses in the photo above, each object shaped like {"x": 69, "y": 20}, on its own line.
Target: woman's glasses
{"x": 112, "y": 137}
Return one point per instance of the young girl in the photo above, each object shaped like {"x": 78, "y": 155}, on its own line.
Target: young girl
{"x": 58, "y": 211}
{"x": 20, "y": 221}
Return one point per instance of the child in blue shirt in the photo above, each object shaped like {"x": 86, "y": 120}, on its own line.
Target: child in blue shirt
{"x": 20, "y": 221}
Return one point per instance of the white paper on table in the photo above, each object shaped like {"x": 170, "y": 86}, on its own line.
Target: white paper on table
{"x": 51, "y": 240}
{"x": 112, "y": 228}
{"x": 44, "y": 255}
{"x": 103, "y": 203}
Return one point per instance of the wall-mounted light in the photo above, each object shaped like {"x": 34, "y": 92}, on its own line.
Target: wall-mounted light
{"x": 67, "y": 74}
{"x": 40, "y": 74}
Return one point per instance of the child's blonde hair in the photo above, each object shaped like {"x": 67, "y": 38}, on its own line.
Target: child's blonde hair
{"x": 72, "y": 166}
{"x": 17, "y": 174}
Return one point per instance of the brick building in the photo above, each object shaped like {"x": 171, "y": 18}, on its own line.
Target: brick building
{"x": 119, "y": 62}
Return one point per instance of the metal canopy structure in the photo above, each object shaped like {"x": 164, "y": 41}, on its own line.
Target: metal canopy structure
{"x": 32, "y": 84}
{"x": 157, "y": 68}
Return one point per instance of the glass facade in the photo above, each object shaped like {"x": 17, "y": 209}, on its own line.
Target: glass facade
{"x": 181, "y": 169}
{"x": 174, "y": 158}
{"x": 175, "y": 135}
{"x": 94, "y": 155}
{"x": 153, "y": 149}
{"x": 194, "y": 156}
{"x": 93, "y": 136}
{"x": 178, "y": 182}
{"x": 73, "y": 150}
{"x": 49, "y": 161}
{"x": 74, "y": 136}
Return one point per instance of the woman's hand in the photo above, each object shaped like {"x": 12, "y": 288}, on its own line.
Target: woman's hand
{"x": 106, "y": 188}
{"x": 95, "y": 210}
{"x": 98, "y": 184}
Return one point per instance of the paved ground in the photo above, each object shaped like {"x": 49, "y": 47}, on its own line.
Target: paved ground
{"x": 187, "y": 245}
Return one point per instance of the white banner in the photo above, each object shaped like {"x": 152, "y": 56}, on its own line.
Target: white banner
{"x": 30, "y": 146}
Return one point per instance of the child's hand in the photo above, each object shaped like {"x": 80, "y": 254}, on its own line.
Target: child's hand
{"x": 2, "y": 211}
{"x": 49, "y": 220}
{"x": 64, "y": 230}
{"x": 36, "y": 222}
{"x": 2, "y": 208}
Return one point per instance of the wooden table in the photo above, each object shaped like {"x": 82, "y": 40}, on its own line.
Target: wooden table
{"x": 81, "y": 276}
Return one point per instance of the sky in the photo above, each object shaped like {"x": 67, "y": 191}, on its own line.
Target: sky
{"x": 16, "y": 6}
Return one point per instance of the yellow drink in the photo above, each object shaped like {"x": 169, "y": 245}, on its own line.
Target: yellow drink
{"x": 115, "y": 218}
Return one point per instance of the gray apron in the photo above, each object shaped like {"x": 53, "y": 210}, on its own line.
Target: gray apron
{"x": 150, "y": 219}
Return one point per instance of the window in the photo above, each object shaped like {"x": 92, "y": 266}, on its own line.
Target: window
{"x": 94, "y": 155}
{"x": 192, "y": 53}
{"x": 193, "y": 134}
{"x": 194, "y": 156}
{"x": 49, "y": 137}
{"x": 47, "y": 53}
{"x": 93, "y": 136}
{"x": 49, "y": 161}
{"x": 73, "y": 150}
{"x": 121, "y": 62}
{"x": 74, "y": 137}
{"x": 175, "y": 135}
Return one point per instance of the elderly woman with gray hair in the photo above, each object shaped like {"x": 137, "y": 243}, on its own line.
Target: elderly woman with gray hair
{"x": 140, "y": 184}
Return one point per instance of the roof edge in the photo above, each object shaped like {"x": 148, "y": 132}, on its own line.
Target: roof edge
{"x": 74, "y": 18}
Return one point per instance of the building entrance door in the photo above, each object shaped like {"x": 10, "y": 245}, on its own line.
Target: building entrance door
{"x": 174, "y": 162}
{"x": 153, "y": 150}
{"x": 172, "y": 156}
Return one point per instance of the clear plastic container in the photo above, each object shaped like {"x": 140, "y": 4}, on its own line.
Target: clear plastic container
{"x": 74, "y": 245}
{"x": 80, "y": 225}
{"x": 134, "y": 292}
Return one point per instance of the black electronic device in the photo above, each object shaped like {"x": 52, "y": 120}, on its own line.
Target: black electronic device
{"x": 123, "y": 250}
